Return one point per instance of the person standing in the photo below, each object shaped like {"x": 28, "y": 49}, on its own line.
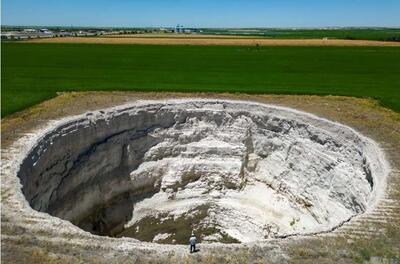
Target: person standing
{"x": 192, "y": 241}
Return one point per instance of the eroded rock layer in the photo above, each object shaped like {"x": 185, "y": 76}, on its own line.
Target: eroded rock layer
{"x": 231, "y": 171}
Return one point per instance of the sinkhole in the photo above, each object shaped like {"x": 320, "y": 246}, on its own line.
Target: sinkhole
{"x": 232, "y": 171}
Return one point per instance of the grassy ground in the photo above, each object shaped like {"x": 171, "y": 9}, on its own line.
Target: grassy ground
{"x": 32, "y": 73}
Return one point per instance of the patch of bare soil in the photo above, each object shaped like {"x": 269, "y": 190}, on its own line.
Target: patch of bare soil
{"x": 180, "y": 36}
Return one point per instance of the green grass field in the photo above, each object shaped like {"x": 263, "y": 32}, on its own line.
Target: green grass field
{"x": 32, "y": 73}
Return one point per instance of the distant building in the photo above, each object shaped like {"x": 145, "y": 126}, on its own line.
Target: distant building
{"x": 6, "y": 35}
{"x": 63, "y": 33}
{"x": 30, "y": 30}
{"x": 27, "y": 34}
{"x": 45, "y": 33}
{"x": 179, "y": 29}
{"x": 90, "y": 33}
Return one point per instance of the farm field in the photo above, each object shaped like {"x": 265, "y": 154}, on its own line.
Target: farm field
{"x": 216, "y": 41}
{"x": 35, "y": 72}
{"x": 182, "y": 36}
{"x": 383, "y": 34}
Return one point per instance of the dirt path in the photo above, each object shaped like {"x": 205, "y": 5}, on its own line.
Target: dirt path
{"x": 216, "y": 41}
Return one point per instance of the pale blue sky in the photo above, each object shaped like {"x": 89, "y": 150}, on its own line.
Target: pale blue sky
{"x": 202, "y": 13}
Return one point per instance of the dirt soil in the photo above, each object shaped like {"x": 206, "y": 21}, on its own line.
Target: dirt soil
{"x": 370, "y": 238}
{"x": 215, "y": 42}
{"x": 180, "y": 36}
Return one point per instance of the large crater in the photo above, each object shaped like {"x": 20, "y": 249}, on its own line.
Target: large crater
{"x": 231, "y": 171}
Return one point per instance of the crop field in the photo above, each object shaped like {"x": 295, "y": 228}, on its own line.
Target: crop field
{"x": 190, "y": 40}
{"x": 383, "y": 34}
{"x": 32, "y": 72}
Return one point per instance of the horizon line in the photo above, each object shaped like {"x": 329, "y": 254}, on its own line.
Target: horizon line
{"x": 256, "y": 27}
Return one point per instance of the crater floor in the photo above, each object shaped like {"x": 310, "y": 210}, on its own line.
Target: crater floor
{"x": 231, "y": 171}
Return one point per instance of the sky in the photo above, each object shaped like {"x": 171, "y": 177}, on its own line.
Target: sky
{"x": 202, "y": 13}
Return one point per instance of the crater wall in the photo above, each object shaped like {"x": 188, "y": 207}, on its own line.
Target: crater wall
{"x": 232, "y": 171}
